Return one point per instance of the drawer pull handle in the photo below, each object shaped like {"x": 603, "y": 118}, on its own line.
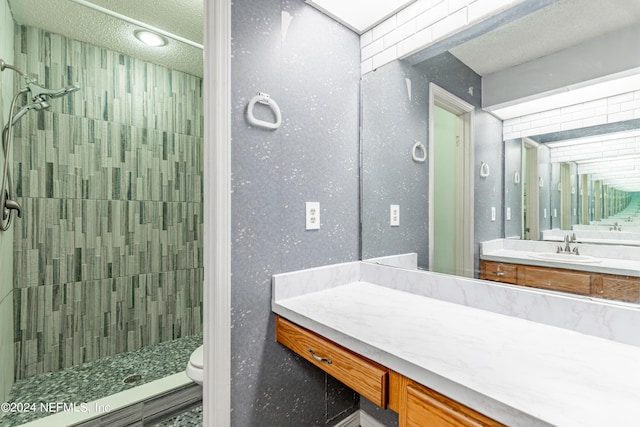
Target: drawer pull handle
{"x": 319, "y": 358}
{"x": 500, "y": 273}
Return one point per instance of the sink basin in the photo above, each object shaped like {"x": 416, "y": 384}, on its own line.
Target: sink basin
{"x": 560, "y": 257}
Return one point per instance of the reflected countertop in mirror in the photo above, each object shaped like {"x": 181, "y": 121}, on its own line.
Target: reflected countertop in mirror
{"x": 607, "y": 259}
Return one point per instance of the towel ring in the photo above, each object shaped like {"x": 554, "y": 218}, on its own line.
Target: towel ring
{"x": 414, "y": 152}
{"x": 265, "y": 99}
{"x": 484, "y": 170}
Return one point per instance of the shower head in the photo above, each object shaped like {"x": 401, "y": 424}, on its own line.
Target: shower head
{"x": 42, "y": 93}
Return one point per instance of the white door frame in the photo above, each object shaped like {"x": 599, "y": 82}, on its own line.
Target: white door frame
{"x": 464, "y": 217}
{"x": 565, "y": 196}
{"x": 217, "y": 214}
{"x": 533, "y": 189}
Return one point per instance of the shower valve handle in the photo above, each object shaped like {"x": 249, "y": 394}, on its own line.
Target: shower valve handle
{"x": 11, "y": 205}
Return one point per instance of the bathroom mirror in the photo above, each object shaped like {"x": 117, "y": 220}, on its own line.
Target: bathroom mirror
{"x": 480, "y": 68}
{"x": 593, "y": 176}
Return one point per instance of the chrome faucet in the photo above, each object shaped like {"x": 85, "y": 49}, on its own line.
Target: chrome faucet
{"x": 615, "y": 227}
{"x": 567, "y": 247}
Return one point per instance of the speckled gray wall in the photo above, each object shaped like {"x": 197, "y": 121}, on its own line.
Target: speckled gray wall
{"x": 392, "y": 121}
{"x": 312, "y": 70}
{"x": 394, "y": 117}
{"x": 575, "y": 203}
{"x": 108, "y": 254}
{"x": 513, "y": 191}
{"x": 489, "y": 191}
{"x": 555, "y": 195}
{"x": 544, "y": 172}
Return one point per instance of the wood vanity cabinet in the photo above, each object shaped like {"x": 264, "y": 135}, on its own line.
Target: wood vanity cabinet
{"x": 421, "y": 406}
{"x": 416, "y": 405}
{"x": 556, "y": 279}
{"x": 499, "y": 272}
{"x": 625, "y": 288}
{"x": 360, "y": 374}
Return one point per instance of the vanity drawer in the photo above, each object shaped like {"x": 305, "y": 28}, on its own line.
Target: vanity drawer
{"x": 362, "y": 375}
{"x": 426, "y": 407}
{"x": 624, "y": 288}
{"x": 559, "y": 280}
{"x": 499, "y": 272}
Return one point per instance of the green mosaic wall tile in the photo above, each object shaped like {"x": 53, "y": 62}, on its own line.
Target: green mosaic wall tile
{"x": 108, "y": 254}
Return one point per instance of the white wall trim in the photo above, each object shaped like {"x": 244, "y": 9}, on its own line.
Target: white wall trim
{"x": 367, "y": 420}
{"x": 352, "y": 420}
{"x": 359, "y": 419}
{"x": 217, "y": 214}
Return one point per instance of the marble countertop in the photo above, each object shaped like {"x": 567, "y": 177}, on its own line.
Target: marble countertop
{"x": 519, "y": 372}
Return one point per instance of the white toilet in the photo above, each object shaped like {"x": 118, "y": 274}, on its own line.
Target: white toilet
{"x": 195, "y": 368}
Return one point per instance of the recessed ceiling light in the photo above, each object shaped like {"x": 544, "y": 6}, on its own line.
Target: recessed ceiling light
{"x": 150, "y": 39}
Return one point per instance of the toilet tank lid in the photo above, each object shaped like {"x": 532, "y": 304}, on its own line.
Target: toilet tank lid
{"x": 197, "y": 357}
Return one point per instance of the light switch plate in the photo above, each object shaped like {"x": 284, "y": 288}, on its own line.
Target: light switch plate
{"x": 394, "y": 215}
{"x": 508, "y": 214}
{"x": 313, "y": 215}
{"x": 545, "y": 213}
{"x": 493, "y": 213}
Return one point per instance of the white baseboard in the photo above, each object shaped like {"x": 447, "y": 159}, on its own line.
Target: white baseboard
{"x": 352, "y": 420}
{"x": 360, "y": 419}
{"x": 367, "y": 420}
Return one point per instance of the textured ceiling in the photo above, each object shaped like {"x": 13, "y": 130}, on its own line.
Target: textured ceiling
{"x": 563, "y": 24}
{"x": 183, "y": 18}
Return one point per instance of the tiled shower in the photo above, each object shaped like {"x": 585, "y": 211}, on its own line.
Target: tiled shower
{"x": 108, "y": 253}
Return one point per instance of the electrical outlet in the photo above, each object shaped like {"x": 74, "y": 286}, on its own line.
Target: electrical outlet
{"x": 555, "y": 213}
{"x": 493, "y": 213}
{"x": 394, "y": 215}
{"x": 545, "y": 213}
{"x": 313, "y": 215}
{"x": 508, "y": 214}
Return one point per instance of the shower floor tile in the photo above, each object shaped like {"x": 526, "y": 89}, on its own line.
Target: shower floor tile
{"x": 97, "y": 379}
{"x": 190, "y": 418}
